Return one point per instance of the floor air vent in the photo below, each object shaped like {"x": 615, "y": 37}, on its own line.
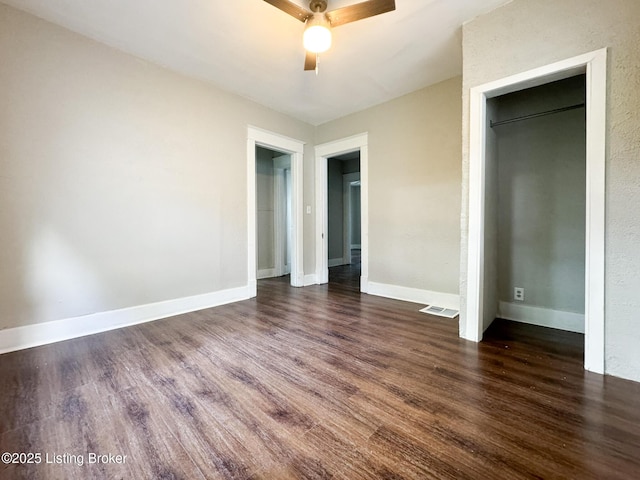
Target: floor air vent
{"x": 440, "y": 311}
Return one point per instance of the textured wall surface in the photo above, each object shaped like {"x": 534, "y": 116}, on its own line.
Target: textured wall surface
{"x": 530, "y": 33}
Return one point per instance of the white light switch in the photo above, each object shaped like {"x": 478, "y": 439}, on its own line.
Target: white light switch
{"x": 308, "y": 209}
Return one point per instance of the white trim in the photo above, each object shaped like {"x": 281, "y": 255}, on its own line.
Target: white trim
{"x": 257, "y": 136}
{"x": 364, "y": 217}
{"x": 310, "y": 280}
{"x": 415, "y": 295}
{"x": 279, "y": 222}
{"x": 252, "y": 229}
{"x": 322, "y": 245}
{"x": 544, "y": 317}
{"x": 472, "y": 329}
{"x": 268, "y": 273}
{"x": 28, "y": 336}
{"x": 594, "y": 64}
{"x": 322, "y": 153}
{"x": 280, "y": 166}
{"x": 347, "y": 221}
{"x": 252, "y": 287}
{"x": 336, "y": 262}
{"x": 594, "y": 353}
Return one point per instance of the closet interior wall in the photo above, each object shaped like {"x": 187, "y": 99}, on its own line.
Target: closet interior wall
{"x": 537, "y": 166}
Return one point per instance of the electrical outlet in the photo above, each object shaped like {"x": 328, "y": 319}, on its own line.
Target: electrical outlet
{"x": 518, "y": 294}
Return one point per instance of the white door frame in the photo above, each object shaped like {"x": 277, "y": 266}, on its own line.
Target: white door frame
{"x": 594, "y": 65}
{"x": 323, "y": 152}
{"x": 295, "y": 148}
{"x": 280, "y": 166}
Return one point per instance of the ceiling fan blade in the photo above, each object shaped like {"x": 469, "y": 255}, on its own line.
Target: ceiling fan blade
{"x": 310, "y": 61}
{"x": 359, "y": 11}
{"x": 291, "y": 8}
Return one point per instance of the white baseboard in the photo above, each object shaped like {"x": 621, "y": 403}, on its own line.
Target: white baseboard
{"x": 544, "y": 317}
{"x": 336, "y": 262}
{"x": 266, "y": 273}
{"x": 415, "y": 295}
{"x": 252, "y": 289}
{"x": 364, "y": 284}
{"x": 310, "y": 279}
{"x": 28, "y": 336}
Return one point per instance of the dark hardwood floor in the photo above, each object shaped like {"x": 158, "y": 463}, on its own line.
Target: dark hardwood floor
{"x": 319, "y": 383}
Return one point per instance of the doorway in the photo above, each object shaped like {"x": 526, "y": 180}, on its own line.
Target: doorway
{"x": 478, "y": 296}
{"x": 535, "y": 205}
{"x": 344, "y": 219}
{"x": 273, "y": 200}
{"x": 347, "y": 148}
{"x": 343, "y": 206}
{"x": 257, "y": 137}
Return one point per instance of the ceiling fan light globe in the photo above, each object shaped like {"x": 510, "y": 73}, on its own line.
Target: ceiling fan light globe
{"x": 317, "y": 34}
{"x": 317, "y": 39}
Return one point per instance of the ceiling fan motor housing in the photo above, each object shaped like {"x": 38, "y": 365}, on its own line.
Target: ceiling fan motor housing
{"x": 317, "y": 5}
{"x": 319, "y": 22}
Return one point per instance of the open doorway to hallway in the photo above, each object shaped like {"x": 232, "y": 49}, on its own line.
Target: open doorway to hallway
{"x": 273, "y": 208}
{"x": 323, "y": 152}
{"x": 344, "y": 219}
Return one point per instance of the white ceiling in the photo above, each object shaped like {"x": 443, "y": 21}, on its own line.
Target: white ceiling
{"x": 253, "y": 49}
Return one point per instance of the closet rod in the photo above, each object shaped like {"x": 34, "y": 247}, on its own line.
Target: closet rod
{"x": 534, "y": 115}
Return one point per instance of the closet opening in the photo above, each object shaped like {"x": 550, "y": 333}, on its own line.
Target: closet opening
{"x": 535, "y": 209}
{"x": 482, "y": 290}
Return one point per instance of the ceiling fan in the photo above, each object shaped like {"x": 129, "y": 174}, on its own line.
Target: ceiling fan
{"x": 317, "y": 33}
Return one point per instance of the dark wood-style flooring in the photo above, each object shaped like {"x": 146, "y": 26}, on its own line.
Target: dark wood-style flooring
{"x": 318, "y": 383}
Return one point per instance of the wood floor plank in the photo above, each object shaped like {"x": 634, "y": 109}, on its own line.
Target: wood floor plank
{"x": 268, "y": 443}
{"x": 319, "y": 383}
{"x": 79, "y": 426}
{"x": 146, "y": 440}
{"x": 198, "y": 431}
{"x": 37, "y": 377}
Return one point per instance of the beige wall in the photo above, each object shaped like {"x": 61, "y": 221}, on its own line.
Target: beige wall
{"x": 121, "y": 183}
{"x": 526, "y": 34}
{"x": 414, "y": 186}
